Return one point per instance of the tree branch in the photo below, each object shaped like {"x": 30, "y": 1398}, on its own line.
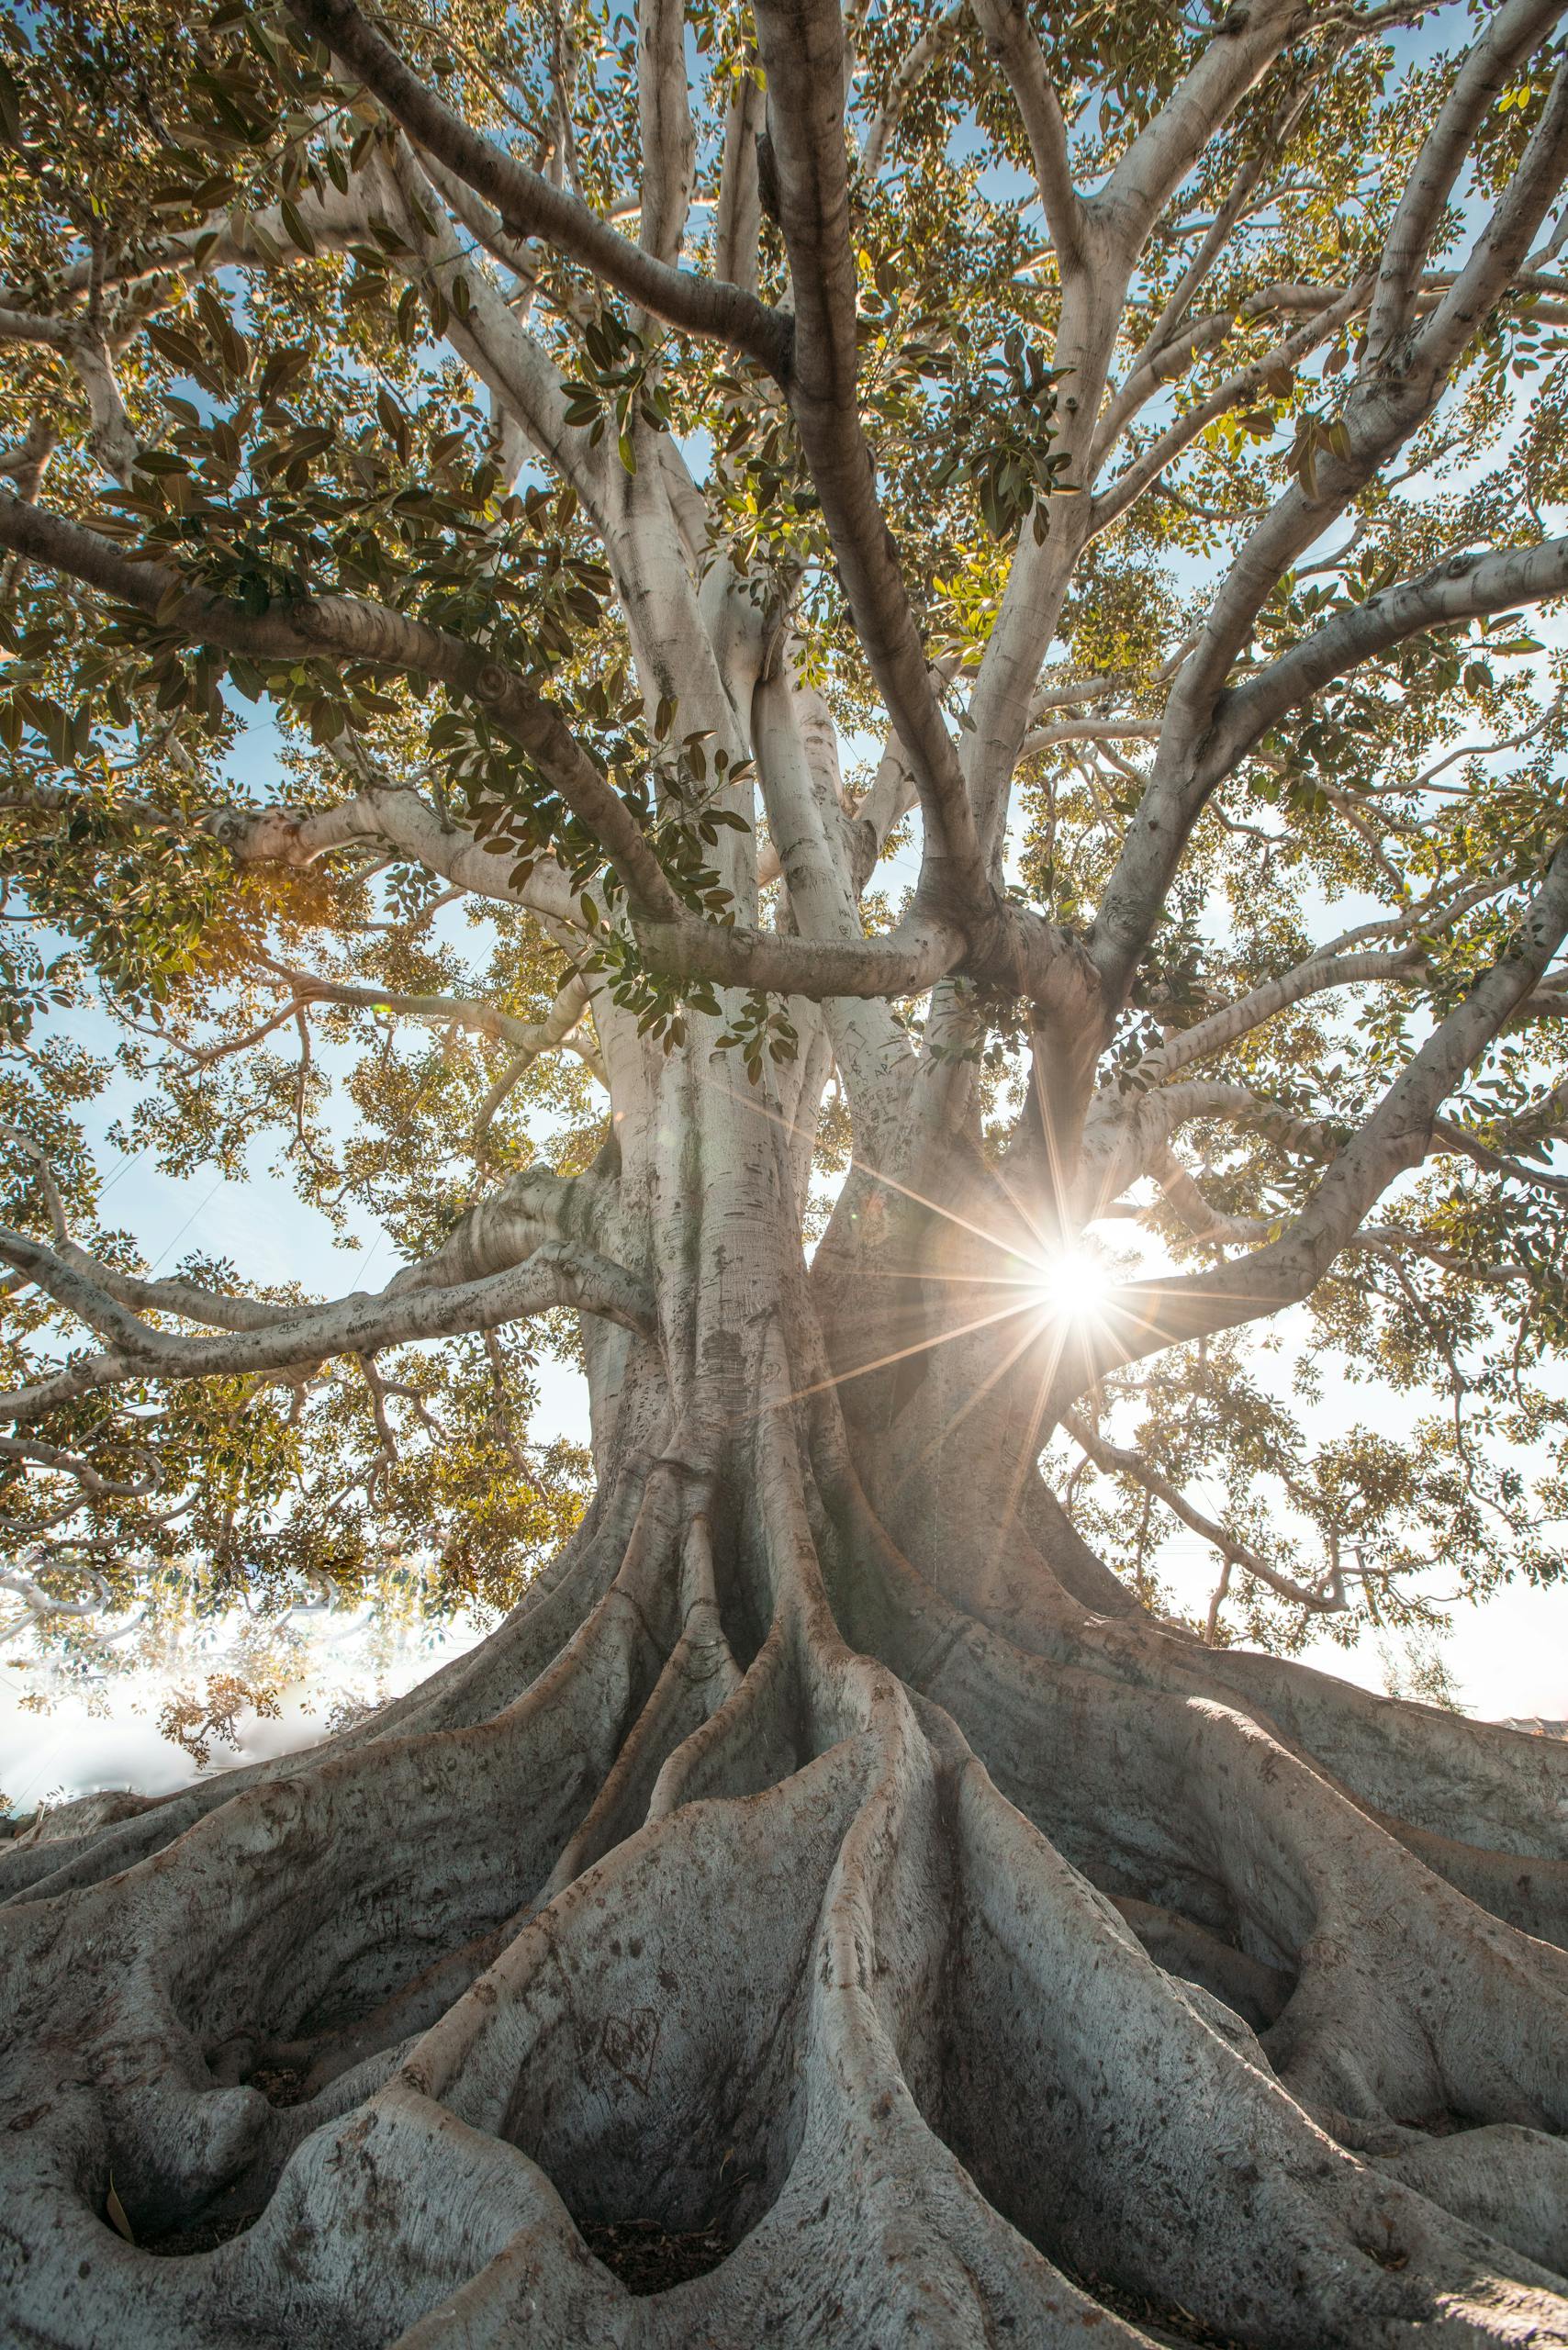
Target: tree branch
{"x": 1463, "y": 589}
{"x": 1264, "y": 1003}
{"x": 1509, "y": 36}
{"x": 663, "y": 115}
{"x": 1239, "y": 53}
{"x": 803, "y": 54}
{"x": 1324, "y": 1597}
{"x": 738, "y": 220}
{"x": 1112, "y": 501}
{"x": 532, "y": 207}
{"x": 1145, "y": 1318}
{"x": 531, "y": 1037}
{"x": 1035, "y": 956}
{"x": 1009, "y": 40}
{"x": 913, "y": 66}
{"x": 557, "y": 1274}
{"x": 1380, "y": 413}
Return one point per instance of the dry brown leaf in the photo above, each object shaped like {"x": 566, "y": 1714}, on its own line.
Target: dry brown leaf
{"x": 114, "y": 2211}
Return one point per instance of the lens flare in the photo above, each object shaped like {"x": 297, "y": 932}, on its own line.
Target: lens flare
{"x": 1072, "y": 1285}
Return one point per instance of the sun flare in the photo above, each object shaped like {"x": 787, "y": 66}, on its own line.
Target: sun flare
{"x": 1074, "y": 1285}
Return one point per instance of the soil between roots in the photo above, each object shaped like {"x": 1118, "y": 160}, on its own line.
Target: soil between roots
{"x": 204, "y": 2234}
{"x": 279, "y": 2084}
{"x": 648, "y": 2258}
{"x": 1163, "y": 2321}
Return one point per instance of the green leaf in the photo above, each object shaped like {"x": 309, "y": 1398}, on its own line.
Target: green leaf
{"x": 299, "y": 234}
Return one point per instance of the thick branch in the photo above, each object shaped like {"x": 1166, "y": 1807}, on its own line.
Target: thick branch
{"x": 1512, "y": 33}
{"x": 1010, "y": 40}
{"x": 557, "y": 1274}
{"x": 738, "y": 222}
{"x": 802, "y": 51}
{"x": 1463, "y": 589}
{"x": 811, "y": 836}
{"x": 1239, "y": 53}
{"x": 664, "y": 114}
{"x": 521, "y": 375}
{"x": 924, "y": 947}
{"x": 1265, "y": 1003}
{"x": 533, "y": 206}
{"x": 1148, "y": 1316}
{"x": 353, "y": 630}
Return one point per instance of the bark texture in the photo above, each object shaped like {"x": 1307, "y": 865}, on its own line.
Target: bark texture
{"x": 828, "y": 1910}
{"x": 826, "y": 1877}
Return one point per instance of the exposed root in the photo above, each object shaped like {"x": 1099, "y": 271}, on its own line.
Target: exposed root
{"x": 793, "y": 1956}
{"x": 83, "y": 1843}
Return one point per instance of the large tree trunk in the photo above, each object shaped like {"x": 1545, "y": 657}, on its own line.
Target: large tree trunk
{"x": 827, "y": 1869}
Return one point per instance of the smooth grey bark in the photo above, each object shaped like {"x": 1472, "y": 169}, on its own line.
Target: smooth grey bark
{"x": 807, "y": 1863}
{"x": 827, "y": 1859}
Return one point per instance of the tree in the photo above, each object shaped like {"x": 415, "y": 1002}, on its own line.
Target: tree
{"x": 649, "y": 471}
